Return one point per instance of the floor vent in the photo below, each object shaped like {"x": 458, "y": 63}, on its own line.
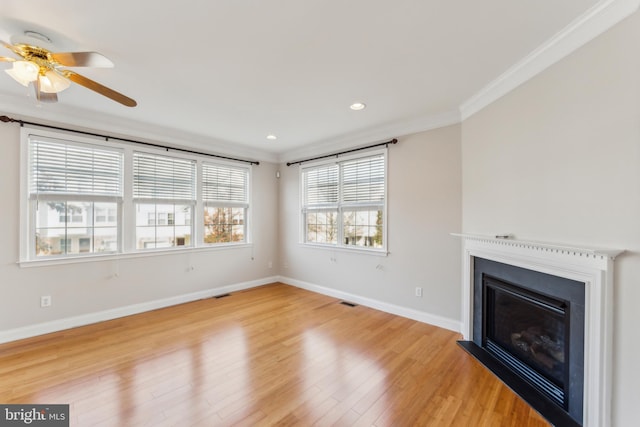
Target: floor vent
{"x": 350, "y": 304}
{"x": 222, "y": 296}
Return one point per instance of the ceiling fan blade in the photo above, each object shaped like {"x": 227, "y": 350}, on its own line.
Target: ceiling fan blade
{"x": 82, "y": 59}
{"x": 97, "y": 87}
{"x": 43, "y": 96}
{"x": 11, "y": 47}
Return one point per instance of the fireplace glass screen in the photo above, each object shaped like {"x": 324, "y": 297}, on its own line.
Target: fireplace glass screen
{"x": 528, "y": 332}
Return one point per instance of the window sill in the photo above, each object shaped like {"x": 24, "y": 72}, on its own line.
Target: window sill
{"x": 356, "y": 250}
{"x": 119, "y": 256}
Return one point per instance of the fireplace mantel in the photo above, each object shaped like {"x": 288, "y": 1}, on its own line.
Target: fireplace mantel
{"x": 554, "y": 248}
{"x": 591, "y": 266}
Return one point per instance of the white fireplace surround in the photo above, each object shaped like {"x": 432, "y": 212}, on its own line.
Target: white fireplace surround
{"x": 594, "y": 268}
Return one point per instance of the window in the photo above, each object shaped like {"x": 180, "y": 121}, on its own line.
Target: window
{"x": 67, "y": 183}
{"x": 82, "y": 197}
{"x": 162, "y": 187}
{"x": 343, "y": 203}
{"x": 225, "y": 194}
{"x": 320, "y": 204}
{"x": 106, "y": 215}
{"x": 75, "y": 217}
{"x": 84, "y": 244}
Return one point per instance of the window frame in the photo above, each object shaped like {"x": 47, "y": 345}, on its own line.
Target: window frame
{"x": 246, "y": 205}
{"x": 28, "y": 202}
{"x": 149, "y": 200}
{"x": 340, "y": 207}
{"x": 125, "y": 210}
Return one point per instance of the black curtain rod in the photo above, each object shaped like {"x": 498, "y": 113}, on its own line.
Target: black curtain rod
{"x": 6, "y": 119}
{"x": 386, "y": 144}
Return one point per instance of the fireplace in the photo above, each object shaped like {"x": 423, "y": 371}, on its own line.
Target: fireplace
{"x": 528, "y": 332}
{"x": 539, "y": 316}
{"x": 532, "y": 323}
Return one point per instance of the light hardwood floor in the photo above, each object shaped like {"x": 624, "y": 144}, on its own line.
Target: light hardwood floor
{"x": 273, "y": 355}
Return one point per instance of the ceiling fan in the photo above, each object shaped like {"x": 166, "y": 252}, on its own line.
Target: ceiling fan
{"x": 43, "y": 68}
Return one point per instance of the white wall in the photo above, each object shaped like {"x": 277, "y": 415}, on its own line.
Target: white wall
{"x": 424, "y": 206}
{"x": 90, "y": 287}
{"x": 558, "y": 160}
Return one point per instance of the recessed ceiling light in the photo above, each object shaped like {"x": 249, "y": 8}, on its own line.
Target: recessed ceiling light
{"x": 271, "y": 137}
{"x": 357, "y": 106}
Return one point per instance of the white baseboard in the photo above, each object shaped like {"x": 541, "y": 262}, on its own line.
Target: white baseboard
{"x": 432, "y": 319}
{"x": 101, "y": 316}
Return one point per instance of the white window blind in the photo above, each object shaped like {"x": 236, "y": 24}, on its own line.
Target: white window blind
{"x": 363, "y": 180}
{"x": 224, "y": 184}
{"x": 321, "y": 186}
{"x": 344, "y": 203}
{"x": 60, "y": 167}
{"x": 163, "y": 178}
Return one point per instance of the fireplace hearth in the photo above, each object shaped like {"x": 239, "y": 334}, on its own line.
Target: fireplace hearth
{"x": 539, "y": 316}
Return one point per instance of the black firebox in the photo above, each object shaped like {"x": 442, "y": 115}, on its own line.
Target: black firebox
{"x": 527, "y": 331}
{"x": 528, "y": 328}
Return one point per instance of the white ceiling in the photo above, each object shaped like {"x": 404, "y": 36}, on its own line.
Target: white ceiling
{"x": 224, "y": 74}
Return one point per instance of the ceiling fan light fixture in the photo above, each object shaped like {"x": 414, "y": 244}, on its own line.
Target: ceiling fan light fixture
{"x": 44, "y": 68}
{"x": 52, "y": 82}
{"x": 24, "y": 72}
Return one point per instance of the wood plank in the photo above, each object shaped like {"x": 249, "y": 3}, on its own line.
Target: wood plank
{"x": 270, "y": 355}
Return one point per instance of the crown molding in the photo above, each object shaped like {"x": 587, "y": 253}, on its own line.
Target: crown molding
{"x": 371, "y": 136}
{"x": 64, "y": 115}
{"x": 595, "y": 21}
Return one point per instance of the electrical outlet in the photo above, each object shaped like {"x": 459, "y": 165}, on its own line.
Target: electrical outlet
{"x": 45, "y": 301}
{"x": 419, "y": 292}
